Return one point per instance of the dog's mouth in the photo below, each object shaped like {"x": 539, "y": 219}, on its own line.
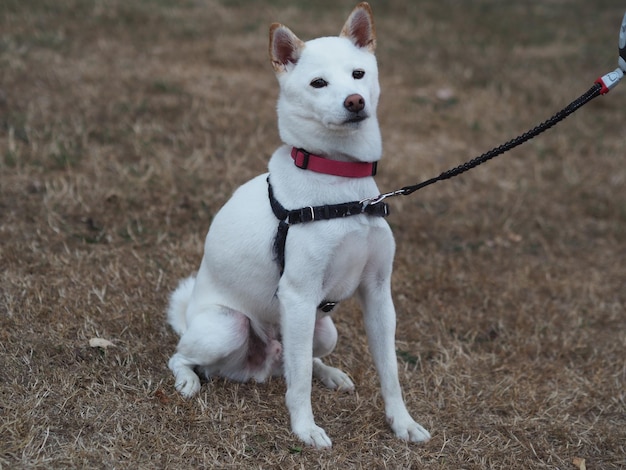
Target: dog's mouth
{"x": 355, "y": 119}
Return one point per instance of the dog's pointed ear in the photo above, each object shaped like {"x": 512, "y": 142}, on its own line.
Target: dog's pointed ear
{"x": 359, "y": 27}
{"x": 285, "y": 47}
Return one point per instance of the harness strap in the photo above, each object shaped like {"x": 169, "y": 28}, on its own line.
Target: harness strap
{"x": 288, "y": 217}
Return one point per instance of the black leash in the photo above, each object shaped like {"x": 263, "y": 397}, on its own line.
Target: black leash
{"x": 596, "y": 90}
{"x": 601, "y": 86}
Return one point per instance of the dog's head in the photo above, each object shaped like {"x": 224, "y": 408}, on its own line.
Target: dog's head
{"x": 329, "y": 89}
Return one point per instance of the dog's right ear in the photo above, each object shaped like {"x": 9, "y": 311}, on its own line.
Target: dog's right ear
{"x": 285, "y": 47}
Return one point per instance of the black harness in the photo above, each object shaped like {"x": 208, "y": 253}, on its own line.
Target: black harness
{"x": 287, "y": 217}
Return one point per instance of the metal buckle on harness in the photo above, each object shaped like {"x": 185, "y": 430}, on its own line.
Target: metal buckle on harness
{"x": 299, "y": 216}
{"x": 307, "y": 212}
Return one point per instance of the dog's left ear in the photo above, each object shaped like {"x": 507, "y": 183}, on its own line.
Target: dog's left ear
{"x": 359, "y": 27}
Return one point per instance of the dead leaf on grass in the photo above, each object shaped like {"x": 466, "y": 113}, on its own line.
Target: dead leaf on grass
{"x": 161, "y": 396}
{"x": 100, "y": 343}
{"x": 580, "y": 463}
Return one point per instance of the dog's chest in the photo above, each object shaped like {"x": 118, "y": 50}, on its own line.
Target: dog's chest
{"x": 350, "y": 258}
{"x": 346, "y": 264}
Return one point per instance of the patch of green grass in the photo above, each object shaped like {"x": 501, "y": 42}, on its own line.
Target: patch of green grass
{"x": 65, "y": 156}
{"x": 10, "y": 159}
{"x": 167, "y": 87}
{"x": 407, "y": 357}
{"x": 54, "y": 39}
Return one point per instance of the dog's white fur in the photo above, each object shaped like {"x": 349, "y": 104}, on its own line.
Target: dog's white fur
{"x": 233, "y": 316}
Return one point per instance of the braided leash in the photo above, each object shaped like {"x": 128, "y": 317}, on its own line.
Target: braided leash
{"x": 601, "y": 87}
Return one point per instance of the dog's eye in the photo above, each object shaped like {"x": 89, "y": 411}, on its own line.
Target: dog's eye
{"x": 358, "y": 74}
{"x": 319, "y": 83}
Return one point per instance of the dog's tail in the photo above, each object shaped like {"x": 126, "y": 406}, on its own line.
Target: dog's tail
{"x": 177, "y": 309}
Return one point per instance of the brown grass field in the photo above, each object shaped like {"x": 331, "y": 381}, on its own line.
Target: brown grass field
{"x": 125, "y": 125}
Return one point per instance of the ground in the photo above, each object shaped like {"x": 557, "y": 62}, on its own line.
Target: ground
{"x": 124, "y": 126}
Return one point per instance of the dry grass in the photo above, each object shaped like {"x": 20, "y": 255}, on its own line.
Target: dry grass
{"x": 125, "y": 125}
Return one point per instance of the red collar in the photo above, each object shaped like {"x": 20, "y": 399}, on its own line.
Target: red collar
{"x": 308, "y": 161}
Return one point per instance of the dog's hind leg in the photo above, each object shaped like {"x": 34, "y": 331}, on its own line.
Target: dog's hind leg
{"x": 214, "y": 338}
{"x": 324, "y": 341}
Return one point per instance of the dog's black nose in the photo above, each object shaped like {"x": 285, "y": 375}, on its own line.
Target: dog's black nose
{"x": 354, "y": 103}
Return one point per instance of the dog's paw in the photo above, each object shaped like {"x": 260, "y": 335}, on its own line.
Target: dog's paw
{"x": 187, "y": 381}
{"x": 409, "y": 430}
{"x": 336, "y": 379}
{"x": 332, "y": 377}
{"x": 187, "y": 384}
{"x": 313, "y": 436}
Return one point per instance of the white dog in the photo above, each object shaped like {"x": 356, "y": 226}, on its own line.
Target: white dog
{"x": 272, "y": 275}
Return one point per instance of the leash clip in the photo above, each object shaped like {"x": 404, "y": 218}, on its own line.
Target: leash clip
{"x": 370, "y": 201}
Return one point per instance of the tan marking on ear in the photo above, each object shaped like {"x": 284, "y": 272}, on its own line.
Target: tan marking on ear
{"x": 284, "y": 47}
{"x": 359, "y": 27}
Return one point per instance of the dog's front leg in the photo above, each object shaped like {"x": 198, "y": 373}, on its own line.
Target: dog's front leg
{"x": 380, "y": 323}
{"x": 298, "y": 325}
